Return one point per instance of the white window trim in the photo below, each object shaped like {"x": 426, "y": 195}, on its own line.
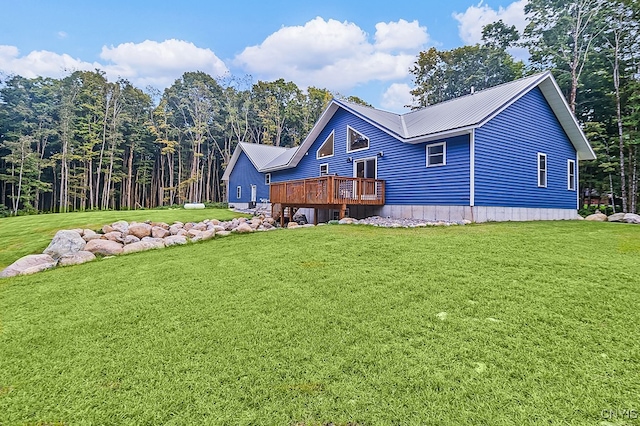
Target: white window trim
{"x": 444, "y": 154}
{"x": 267, "y": 178}
{"x": 375, "y": 159}
{"x": 324, "y": 164}
{"x": 325, "y": 141}
{"x": 349, "y": 143}
{"x": 546, "y": 170}
{"x": 571, "y": 180}
{"x": 238, "y": 192}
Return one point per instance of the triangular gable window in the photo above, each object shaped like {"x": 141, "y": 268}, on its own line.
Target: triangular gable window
{"x": 356, "y": 140}
{"x": 326, "y": 149}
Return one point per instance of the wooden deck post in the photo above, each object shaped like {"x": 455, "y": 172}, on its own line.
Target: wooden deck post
{"x": 315, "y": 216}
{"x": 343, "y": 210}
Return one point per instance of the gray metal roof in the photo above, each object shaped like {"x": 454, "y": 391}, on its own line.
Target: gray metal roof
{"x": 260, "y": 156}
{"x": 459, "y": 113}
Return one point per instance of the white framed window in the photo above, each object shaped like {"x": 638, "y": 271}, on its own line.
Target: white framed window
{"x": 437, "y": 154}
{"x": 542, "y": 170}
{"x": 326, "y": 149}
{"x": 267, "y": 178}
{"x": 571, "y": 175}
{"x": 356, "y": 141}
{"x": 238, "y": 192}
{"x": 324, "y": 169}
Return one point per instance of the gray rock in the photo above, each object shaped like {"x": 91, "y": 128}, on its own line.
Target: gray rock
{"x": 173, "y": 240}
{"x": 89, "y": 235}
{"x": 199, "y": 226}
{"x": 29, "y": 264}
{"x": 65, "y": 242}
{"x": 143, "y": 246}
{"x": 300, "y": 218}
{"x": 130, "y": 239}
{"x": 182, "y": 233}
{"x": 596, "y": 217}
{"x": 632, "y": 218}
{"x": 121, "y": 226}
{"x": 616, "y": 217}
{"x": 159, "y": 232}
{"x": 243, "y": 228}
{"x": 140, "y": 230}
{"x": 292, "y": 225}
{"x": 113, "y": 236}
{"x": 76, "y": 258}
{"x": 346, "y": 221}
{"x": 152, "y": 240}
{"x": 223, "y": 233}
{"x": 175, "y": 228}
{"x": 104, "y": 247}
{"x": 193, "y": 233}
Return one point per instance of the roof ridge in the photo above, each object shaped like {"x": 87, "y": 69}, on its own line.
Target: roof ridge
{"x": 538, "y": 75}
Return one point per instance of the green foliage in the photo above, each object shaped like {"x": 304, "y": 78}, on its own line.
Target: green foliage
{"x": 335, "y": 324}
{"x": 443, "y": 75}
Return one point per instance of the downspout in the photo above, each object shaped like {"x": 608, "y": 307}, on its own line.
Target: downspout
{"x": 472, "y": 172}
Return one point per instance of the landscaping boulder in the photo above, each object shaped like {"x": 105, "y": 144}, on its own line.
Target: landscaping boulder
{"x": 142, "y": 246}
{"x": 107, "y": 228}
{"x": 597, "y": 217}
{"x": 29, "y": 265}
{"x": 104, "y": 247}
{"x": 153, "y": 240}
{"x": 175, "y": 228}
{"x": 173, "y": 240}
{"x": 130, "y": 239}
{"x": 292, "y": 225}
{"x": 65, "y": 242}
{"x": 632, "y": 218}
{"x": 113, "y": 236}
{"x": 140, "y": 230}
{"x": 243, "y": 228}
{"x": 346, "y": 221}
{"x": 223, "y": 233}
{"x": 89, "y": 235}
{"x": 159, "y": 232}
{"x": 616, "y": 217}
{"x": 121, "y": 226}
{"x": 193, "y": 233}
{"x": 76, "y": 258}
{"x": 199, "y": 226}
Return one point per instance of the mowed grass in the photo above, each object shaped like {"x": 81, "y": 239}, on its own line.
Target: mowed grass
{"x": 495, "y": 324}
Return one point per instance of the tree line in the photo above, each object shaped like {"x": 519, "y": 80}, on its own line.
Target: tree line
{"x": 83, "y": 142}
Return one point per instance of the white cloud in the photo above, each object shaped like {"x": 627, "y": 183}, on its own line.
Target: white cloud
{"x": 159, "y": 64}
{"x": 470, "y": 22}
{"x": 332, "y": 54}
{"x": 40, "y": 63}
{"x": 146, "y": 63}
{"x": 396, "y": 97}
{"x": 400, "y": 36}
{"x": 62, "y": 35}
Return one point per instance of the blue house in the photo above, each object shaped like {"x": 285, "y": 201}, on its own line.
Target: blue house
{"x": 510, "y": 152}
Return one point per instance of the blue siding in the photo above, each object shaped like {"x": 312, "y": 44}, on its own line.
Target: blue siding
{"x": 244, "y": 174}
{"x": 506, "y": 148}
{"x": 403, "y": 166}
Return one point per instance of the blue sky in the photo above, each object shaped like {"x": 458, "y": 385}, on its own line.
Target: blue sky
{"x": 355, "y": 48}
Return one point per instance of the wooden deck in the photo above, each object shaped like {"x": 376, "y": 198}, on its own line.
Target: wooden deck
{"x": 326, "y": 192}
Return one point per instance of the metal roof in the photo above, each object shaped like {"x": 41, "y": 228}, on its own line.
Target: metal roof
{"x": 260, "y": 156}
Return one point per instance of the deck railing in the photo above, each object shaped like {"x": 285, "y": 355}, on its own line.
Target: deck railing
{"x": 328, "y": 190}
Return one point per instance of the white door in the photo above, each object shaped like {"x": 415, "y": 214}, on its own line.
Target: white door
{"x": 254, "y": 193}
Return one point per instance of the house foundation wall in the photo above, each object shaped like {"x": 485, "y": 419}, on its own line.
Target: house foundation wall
{"x": 478, "y": 214}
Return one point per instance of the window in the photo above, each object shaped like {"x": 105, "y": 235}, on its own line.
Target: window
{"x": 239, "y": 192}
{"x": 542, "y": 170}
{"x": 437, "y": 154}
{"x": 356, "y": 141}
{"x": 571, "y": 175}
{"x": 326, "y": 149}
{"x": 267, "y": 178}
{"x": 324, "y": 169}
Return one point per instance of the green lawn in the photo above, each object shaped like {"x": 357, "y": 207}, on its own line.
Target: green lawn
{"x": 495, "y": 324}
